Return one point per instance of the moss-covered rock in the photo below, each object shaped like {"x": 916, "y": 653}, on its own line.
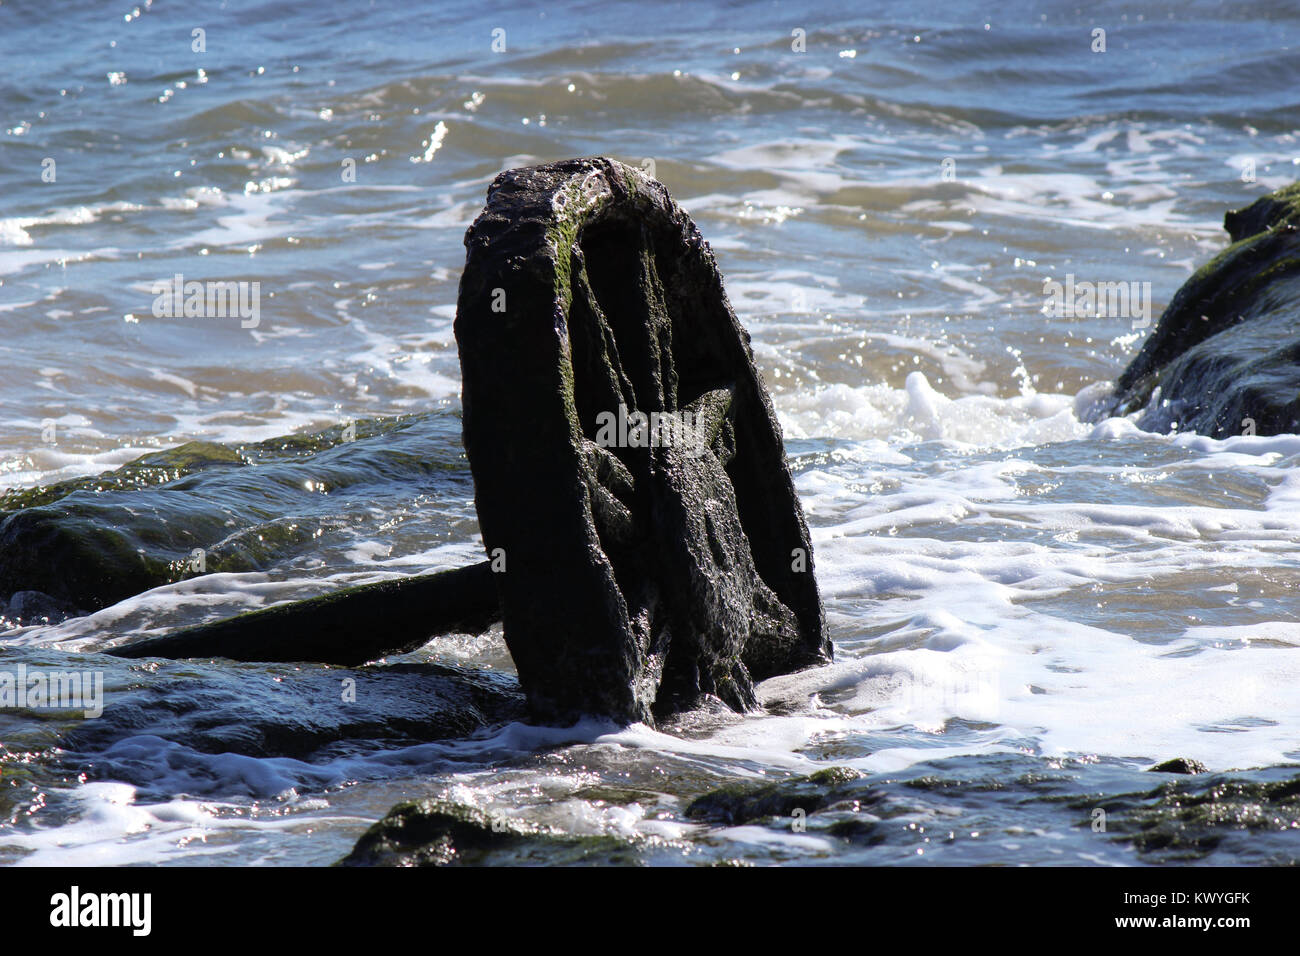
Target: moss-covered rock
{"x": 155, "y": 468}
{"x": 1189, "y": 821}
{"x": 441, "y": 832}
{"x": 746, "y": 802}
{"x": 1251, "y": 817}
{"x": 1224, "y": 358}
{"x": 19, "y": 784}
{"x": 201, "y": 508}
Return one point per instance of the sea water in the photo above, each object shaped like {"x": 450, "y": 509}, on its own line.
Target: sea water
{"x": 1029, "y": 608}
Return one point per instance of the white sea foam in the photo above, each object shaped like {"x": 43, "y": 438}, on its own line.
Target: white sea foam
{"x": 919, "y": 412}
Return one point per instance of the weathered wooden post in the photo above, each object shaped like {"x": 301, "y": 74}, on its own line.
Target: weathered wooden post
{"x": 636, "y": 577}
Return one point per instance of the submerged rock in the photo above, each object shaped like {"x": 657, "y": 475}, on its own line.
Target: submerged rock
{"x": 1224, "y": 358}
{"x": 628, "y": 466}
{"x": 1180, "y": 765}
{"x": 309, "y": 714}
{"x": 440, "y": 832}
{"x": 746, "y": 802}
{"x": 350, "y": 626}
{"x": 1190, "y": 820}
{"x": 30, "y": 608}
{"x": 202, "y": 508}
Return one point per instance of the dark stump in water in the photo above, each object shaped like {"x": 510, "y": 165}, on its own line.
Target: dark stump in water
{"x": 629, "y": 471}
{"x": 630, "y": 478}
{"x": 1224, "y": 358}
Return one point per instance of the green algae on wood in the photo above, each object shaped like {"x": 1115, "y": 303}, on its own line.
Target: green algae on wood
{"x": 650, "y": 579}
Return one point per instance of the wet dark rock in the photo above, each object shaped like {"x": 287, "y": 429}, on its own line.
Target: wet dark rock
{"x": 838, "y": 802}
{"x": 440, "y": 832}
{"x": 349, "y": 626}
{"x": 1224, "y": 358}
{"x": 22, "y": 785}
{"x": 858, "y": 830}
{"x": 282, "y": 711}
{"x": 1180, "y": 765}
{"x": 28, "y": 608}
{"x": 147, "y": 471}
{"x": 746, "y": 802}
{"x": 640, "y": 578}
{"x": 1190, "y": 820}
{"x": 91, "y": 542}
{"x": 1247, "y": 817}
